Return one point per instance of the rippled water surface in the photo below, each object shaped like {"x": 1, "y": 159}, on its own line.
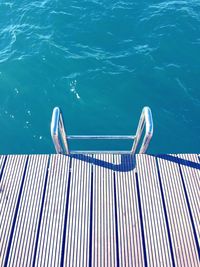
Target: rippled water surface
{"x": 101, "y": 62}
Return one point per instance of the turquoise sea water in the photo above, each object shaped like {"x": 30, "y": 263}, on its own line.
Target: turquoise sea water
{"x": 101, "y": 62}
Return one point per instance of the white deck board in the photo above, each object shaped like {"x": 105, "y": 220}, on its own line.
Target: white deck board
{"x": 130, "y": 241}
{"x": 52, "y": 223}
{"x": 10, "y": 184}
{"x": 155, "y": 228}
{"x": 100, "y": 210}
{"x": 104, "y": 235}
{"x": 178, "y": 215}
{"x": 77, "y": 229}
{"x": 191, "y": 178}
{"x": 28, "y": 214}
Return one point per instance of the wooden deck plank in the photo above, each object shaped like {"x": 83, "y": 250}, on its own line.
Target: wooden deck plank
{"x": 52, "y": 223}
{"x": 21, "y": 251}
{"x": 78, "y": 221}
{"x": 10, "y": 185}
{"x": 104, "y": 234}
{"x": 2, "y": 164}
{"x": 99, "y": 210}
{"x": 181, "y": 230}
{"x": 191, "y": 177}
{"x": 156, "y": 236}
{"x": 129, "y": 228}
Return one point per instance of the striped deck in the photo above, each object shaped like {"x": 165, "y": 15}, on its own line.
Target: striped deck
{"x": 100, "y": 210}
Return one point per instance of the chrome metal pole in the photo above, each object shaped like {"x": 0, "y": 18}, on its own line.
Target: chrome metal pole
{"x": 148, "y": 131}
{"x": 101, "y": 137}
{"x": 54, "y": 130}
{"x": 60, "y": 139}
{"x": 146, "y": 121}
{"x": 57, "y": 128}
{"x": 63, "y": 134}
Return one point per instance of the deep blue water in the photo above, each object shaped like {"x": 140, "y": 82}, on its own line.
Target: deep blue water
{"x": 101, "y": 62}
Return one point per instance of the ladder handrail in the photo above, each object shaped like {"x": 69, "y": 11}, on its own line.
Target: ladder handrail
{"x": 57, "y": 127}
{"x": 101, "y": 137}
{"x": 145, "y": 120}
{"x": 60, "y": 138}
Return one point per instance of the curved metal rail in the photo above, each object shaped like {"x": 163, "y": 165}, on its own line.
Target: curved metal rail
{"x": 145, "y": 120}
{"x": 60, "y": 138}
